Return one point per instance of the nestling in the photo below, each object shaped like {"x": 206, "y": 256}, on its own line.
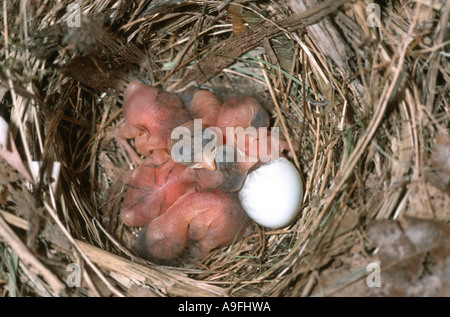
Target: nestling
{"x": 150, "y": 116}
{"x": 153, "y": 187}
{"x": 199, "y": 221}
{"x": 203, "y": 104}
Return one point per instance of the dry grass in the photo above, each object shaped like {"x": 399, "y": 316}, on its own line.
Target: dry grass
{"x": 367, "y": 129}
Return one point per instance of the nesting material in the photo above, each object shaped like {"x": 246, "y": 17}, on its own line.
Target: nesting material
{"x": 362, "y": 88}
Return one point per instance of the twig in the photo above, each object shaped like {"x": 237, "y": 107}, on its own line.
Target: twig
{"x": 28, "y": 258}
{"x": 281, "y": 117}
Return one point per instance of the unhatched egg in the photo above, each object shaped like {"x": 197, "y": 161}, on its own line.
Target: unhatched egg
{"x": 272, "y": 194}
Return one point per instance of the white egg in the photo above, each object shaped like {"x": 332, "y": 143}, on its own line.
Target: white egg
{"x": 272, "y": 194}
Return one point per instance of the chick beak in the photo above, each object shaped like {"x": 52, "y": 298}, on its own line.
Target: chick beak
{"x": 209, "y": 164}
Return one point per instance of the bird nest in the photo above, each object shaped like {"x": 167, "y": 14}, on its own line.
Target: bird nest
{"x": 362, "y": 90}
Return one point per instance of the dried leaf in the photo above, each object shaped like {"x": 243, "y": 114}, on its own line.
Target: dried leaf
{"x": 439, "y": 176}
{"x": 428, "y": 202}
{"x": 12, "y": 157}
{"x": 415, "y": 261}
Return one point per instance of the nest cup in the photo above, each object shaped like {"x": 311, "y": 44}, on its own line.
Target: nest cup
{"x": 361, "y": 119}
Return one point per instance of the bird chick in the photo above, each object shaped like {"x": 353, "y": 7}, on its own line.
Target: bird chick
{"x": 243, "y": 120}
{"x": 200, "y": 136}
{"x": 205, "y": 220}
{"x": 152, "y": 187}
{"x": 150, "y": 116}
{"x": 248, "y": 123}
{"x": 203, "y": 104}
{"x": 242, "y": 111}
{"x": 265, "y": 145}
